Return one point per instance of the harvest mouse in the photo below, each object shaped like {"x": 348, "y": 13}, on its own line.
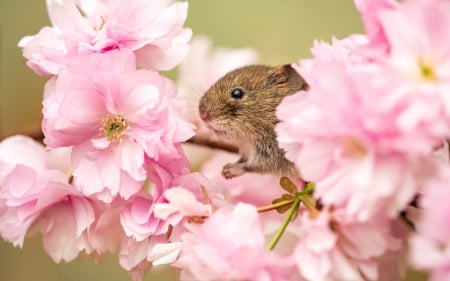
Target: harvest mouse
{"x": 240, "y": 108}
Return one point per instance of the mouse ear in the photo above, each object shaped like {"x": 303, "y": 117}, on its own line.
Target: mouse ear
{"x": 280, "y": 73}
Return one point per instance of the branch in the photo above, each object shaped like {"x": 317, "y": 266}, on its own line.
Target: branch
{"x": 211, "y": 142}
{"x": 200, "y": 140}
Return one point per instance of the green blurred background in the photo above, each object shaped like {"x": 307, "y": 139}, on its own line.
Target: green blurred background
{"x": 282, "y": 31}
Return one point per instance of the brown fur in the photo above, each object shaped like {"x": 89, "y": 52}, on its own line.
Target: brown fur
{"x": 249, "y": 122}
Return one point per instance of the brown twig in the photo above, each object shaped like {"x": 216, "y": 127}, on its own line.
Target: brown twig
{"x": 212, "y": 143}
{"x": 201, "y": 140}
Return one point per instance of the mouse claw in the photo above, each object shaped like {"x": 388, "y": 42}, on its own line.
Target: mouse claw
{"x": 232, "y": 170}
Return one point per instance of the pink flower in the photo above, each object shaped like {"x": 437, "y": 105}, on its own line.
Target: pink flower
{"x": 360, "y": 137}
{"x": 137, "y": 257}
{"x": 152, "y": 29}
{"x": 34, "y": 196}
{"x": 138, "y": 218}
{"x": 64, "y": 227}
{"x": 251, "y": 188}
{"x": 229, "y": 246}
{"x": 182, "y": 202}
{"x": 192, "y": 196}
{"x": 28, "y": 187}
{"x": 430, "y": 246}
{"x": 344, "y": 51}
{"x": 333, "y": 246}
{"x": 152, "y": 223}
{"x": 118, "y": 119}
{"x": 411, "y": 38}
{"x": 419, "y": 48}
{"x": 370, "y": 10}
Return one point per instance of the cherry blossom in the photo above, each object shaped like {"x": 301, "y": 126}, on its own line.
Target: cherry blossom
{"x": 359, "y": 129}
{"x": 370, "y": 138}
{"x": 211, "y": 250}
{"x": 334, "y": 246}
{"x": 153, "y": 30}
{"x": 118, "y": 120}
{"x": 429, "y": 246}
{"x": 37, "y": 198}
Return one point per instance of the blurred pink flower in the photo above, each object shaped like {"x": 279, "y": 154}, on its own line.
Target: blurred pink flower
{"x": 152, "y": 29}
{"x": 344, "y": 51}
{"x": 419, "y": 48}
{"x": 229, "y": 246}
{"x": 370, "y": 11}
{"x": 334, "y": 246}
{"x": 359, "y": 137}
{"x": 410, "y": 37}
{"x": 118, "y": 119}
{"x": 430, "y": 245}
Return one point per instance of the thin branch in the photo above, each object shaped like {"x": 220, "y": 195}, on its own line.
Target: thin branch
{"x": 203, "y": 140}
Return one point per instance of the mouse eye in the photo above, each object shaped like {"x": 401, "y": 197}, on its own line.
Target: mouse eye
{"x": 237, "y": 93}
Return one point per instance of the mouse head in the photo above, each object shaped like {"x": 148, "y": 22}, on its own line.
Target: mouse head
{"x": 241, "y": 104}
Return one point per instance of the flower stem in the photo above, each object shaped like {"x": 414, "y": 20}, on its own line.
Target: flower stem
{"x": 286, "y": 221}
{"x": 273, "y": 206}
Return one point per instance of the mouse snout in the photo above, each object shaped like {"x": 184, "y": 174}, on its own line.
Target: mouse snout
{"x": 204, "y": 112}
{"x": 205, "y": 116}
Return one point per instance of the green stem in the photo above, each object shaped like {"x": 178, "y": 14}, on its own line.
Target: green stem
{"x": 286, "y": 221}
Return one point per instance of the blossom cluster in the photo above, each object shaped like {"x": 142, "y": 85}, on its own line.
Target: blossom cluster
{"x": 372, "y": 131}
{"x": 369, "y": 138}
{"x": 113, "y": 128}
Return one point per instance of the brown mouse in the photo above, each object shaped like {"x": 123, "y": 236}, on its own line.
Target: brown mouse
{"x": 240, "y": 107}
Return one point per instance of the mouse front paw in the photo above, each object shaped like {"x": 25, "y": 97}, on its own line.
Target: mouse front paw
{"x": 232, "y": 170}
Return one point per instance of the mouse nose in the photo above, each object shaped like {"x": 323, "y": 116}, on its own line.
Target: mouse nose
{"x": 205, "y": 116}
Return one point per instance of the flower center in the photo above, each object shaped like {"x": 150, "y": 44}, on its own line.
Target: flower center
{"x": 113, "y": 127}
{"x": 426, "y": 70}
{"x": 353, "y": 147}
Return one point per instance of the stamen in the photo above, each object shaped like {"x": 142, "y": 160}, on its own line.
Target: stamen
{"x": 353, "y": 147}
{"x": 427, "y": 70}
{"x": 113, "y": 127}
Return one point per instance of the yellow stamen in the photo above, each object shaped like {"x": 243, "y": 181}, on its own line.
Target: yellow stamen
{"x": 427, "y": 70}
{"x": 113, "y": 127}
{"x": 353, "y": 147}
